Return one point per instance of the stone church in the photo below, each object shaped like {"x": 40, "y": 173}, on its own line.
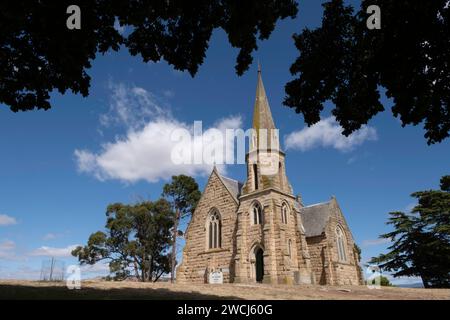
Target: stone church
{"x": 259, "y": 231}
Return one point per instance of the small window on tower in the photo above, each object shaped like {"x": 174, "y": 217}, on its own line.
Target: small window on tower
{"x": 255, "y": 176}
{"x": 284, "y": 213}
{"x": 280, "y": 174}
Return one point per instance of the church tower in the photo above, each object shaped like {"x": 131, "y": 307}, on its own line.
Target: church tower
{"x": 270, "y": 239}
{"x": 265, "y": 160}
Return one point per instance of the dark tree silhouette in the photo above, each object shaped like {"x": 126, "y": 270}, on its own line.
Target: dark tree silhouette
{"x": 38, "y": 54}
{"x": 421, "y": 240}
{"x": 345, "y": 62}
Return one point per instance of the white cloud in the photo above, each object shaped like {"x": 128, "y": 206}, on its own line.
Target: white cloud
{"x": 7, "y": 249}
{"x": 98, "y": 267}
{"x": 132, "y": 107}
{"x": 409, "y": 207}
{"x": 169, "y": 93}
{"x": 146, "y": 154}
{"x": 23, "y": 272}
{"x": 145, "y": 151}
{"x": 50, "y": 236}
{"x": 352, "y": 160}
{"x": 53, "y": 252}
{"x": 375, "y": 242}
{"x": 327, "y": 133}
{"x": 6, "y": 220}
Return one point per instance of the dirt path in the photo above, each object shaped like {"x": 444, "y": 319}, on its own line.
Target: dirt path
{"x": 136, "y": 290}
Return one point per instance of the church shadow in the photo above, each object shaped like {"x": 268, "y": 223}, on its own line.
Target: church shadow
{"x": 57, "y": 292}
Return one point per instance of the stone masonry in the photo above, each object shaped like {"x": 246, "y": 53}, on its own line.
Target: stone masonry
{"x": 259, "y": 231}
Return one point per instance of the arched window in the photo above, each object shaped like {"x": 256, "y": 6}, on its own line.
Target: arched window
{"x": 290, "y": 248}
{"x": 340, "y": 239}
{"x": 284, "y": 213}
{"x": 257, "y": 215}
{"x": 214, "y": 230}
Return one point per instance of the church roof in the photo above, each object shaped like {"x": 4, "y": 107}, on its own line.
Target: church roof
{"x": 233, "y": 186}
{"x": 315, "y": 218}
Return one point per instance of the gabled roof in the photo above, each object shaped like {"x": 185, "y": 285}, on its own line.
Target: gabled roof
{"x": 315, "y": 218}
{"x": 233, "y": 186}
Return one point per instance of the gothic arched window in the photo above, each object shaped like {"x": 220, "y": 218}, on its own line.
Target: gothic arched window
{"x": 214, "y": 230}
{"x": 284, "y": 213}
{"x": 257, "y": 214}
{"x": 290, "y": 248}
{"x": 340, "y": 239}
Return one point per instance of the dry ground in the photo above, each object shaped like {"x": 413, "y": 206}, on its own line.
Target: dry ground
{"x": 134, "y": 290}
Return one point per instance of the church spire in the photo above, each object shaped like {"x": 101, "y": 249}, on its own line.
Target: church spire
{"x": 265, "y": 135}
{"x": 265, "y": 160}
{"x": 262, "y": 117}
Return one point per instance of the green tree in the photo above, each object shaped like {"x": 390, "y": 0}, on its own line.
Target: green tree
{"x": 384, "y": 282}
{"x": 345, "y": 62}
{"x": 183, "y": 194}
{"x": 136, "y": 242}
{"x": 421, "y": 239}
{"x": 38, "y": 54}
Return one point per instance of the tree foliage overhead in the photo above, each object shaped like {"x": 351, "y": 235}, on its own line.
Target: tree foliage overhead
{"x": 38, "y": 54}
{"x": 136, "y": 242}
{"x": 421, "y": 240}
{"x": 345, "y": 62}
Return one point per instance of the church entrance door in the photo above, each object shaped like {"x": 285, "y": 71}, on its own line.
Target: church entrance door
{"x": 259, "y": 264}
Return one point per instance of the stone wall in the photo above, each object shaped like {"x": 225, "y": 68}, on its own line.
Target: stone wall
{"x": 320, "y": 259}
{"x": 327, "y": 268}
{"x": 311, "y": 260}
{"x": 343, "y": 272}
{"x": 273, "y": 237}
{"x": 198, "y": 259}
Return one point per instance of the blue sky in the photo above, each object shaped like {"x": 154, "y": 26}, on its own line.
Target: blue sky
{"x": 59, "y": 169}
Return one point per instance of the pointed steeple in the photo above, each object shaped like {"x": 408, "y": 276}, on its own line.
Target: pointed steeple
{"x": 262, "y": 120}
{"x": 265, "y": 160}
{"x": 262, "y": 117}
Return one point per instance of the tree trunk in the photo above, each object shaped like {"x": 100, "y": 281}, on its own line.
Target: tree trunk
{"x": 136, "y": 268}
{"x": 158, "y": 276}
{"x": 174, "y": 247}
{"x": 150, "y": 269}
